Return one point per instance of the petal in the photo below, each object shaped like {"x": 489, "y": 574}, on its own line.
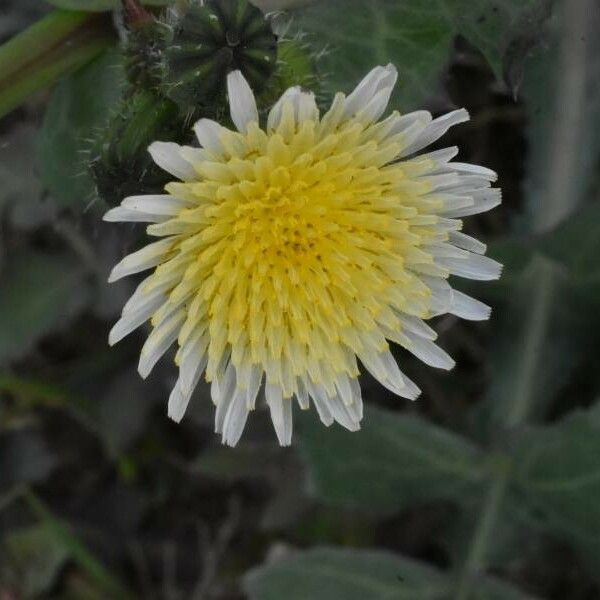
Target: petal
{"x": 242, "y": 103}
{"x": 378, "y": 79}
{"x": 157, "y": 204}
{"x": 119, "y": 214}
{"x": 436, "y": 129}
{"x": 209, "y": 133}
{"x": 468, "y": 308}
{"x": 281, "y": 413}
{"x": 473, "y": 266}
{"x": 235, "y": 418}
{"x": 146, "y": 258}
{"x": 159, "y": 341}
{"x": 168, "y": 157}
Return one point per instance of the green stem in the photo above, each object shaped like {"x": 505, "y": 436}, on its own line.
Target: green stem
{"x": 560, "y": 201}
{"x": 477, "y": 554}
{"x": 54, "y": 46}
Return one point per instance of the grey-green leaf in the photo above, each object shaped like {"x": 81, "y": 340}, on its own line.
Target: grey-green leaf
{"x": 78, "y": 109}
{"x": 393, "y": 460}
{"x": 414, "y": 35}
{"x": 338, "y": 574}
{"x": 559, "y": 474}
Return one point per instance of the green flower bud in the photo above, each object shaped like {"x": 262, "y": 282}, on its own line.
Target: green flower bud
{"x": 120, "y": 163}
{"x": 208, "y": 41}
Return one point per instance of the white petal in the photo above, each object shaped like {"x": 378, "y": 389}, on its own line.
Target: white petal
{"x": 475, "y": 170}
{"x": 302, "y": 396}
{"x": 303, "y": 104}
{"x": 483, "y": 200}
{"x": 242, "y": 103}
{"x": 436, "y": 129}
{"x": 319, "y": 397}
{"x": 441, "y": 294}
{"x": 379, "y": 78}
{"x": 178, "y": 402}
{"x": 475, "y": 266}
{"x": 281, "y": 413}
{"x": 375, "y": 107}
{"x": 342, "y": 413}
{"x": 159, "y": 341}
{"x": 385, "y": 369}
{"x": 118, "y": 214}
{"x": 193, "y": 360}
{"x": 222, "y": 393}
{"x": 417, "y": 326}
{"x": 168, "y": 157}
{"x": 146, "y": 258}
{"x": 428, "y": 352}
{"x": 253, "y": 385}
{"x": 468, "y": 308}
{"x": 132, "y": 319}
{"x": 467, "y": 242}
{"x": 209, "y": 133}
{"x": 157, "y": 204}
{"x": 235, "y": 419}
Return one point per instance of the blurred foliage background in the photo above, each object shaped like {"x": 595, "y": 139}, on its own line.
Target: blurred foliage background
{"x": 486, "y": 488}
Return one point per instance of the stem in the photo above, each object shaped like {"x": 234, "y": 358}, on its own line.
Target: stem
{"x": 54, "y": 46}
{"x": 560, "y": 199}
{"x": 476, "y": 558}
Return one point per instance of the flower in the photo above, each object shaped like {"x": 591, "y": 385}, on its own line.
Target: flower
{"x": 288, "y": 252}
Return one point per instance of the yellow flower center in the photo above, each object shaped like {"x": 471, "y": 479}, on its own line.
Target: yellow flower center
{"x": 299, "y": 246}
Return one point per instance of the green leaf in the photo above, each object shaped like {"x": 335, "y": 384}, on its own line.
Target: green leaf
{"x": 32, "y": 560}
{"x": 57, "y": 44}
{"x": 346, "y": 575}
{"x": 101, "y": 5}
{"x": 558, "y": 473}
{"x": 414, "y": 35}
{"x": 394, "y": 459}
{"x": 79, "y": 107}
{"x": 39, "y": 293}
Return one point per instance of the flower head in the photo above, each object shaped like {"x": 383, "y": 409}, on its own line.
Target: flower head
{"x": 289, "y": 253}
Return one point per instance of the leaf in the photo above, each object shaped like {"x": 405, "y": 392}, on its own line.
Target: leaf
{"x": 558, "y": 474}
{"x": 395, "y": 459}
{"x": 562, "y": 99}
{"x": 39, "y": 293}
{"x": 57, "y": 44}
{"x": 33, "y": 558}
{"x": 414, "y": 35}
{"x": 79, "y": 107}
{"x": 346, "y": 575}
{"x": 101, "y": 5}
